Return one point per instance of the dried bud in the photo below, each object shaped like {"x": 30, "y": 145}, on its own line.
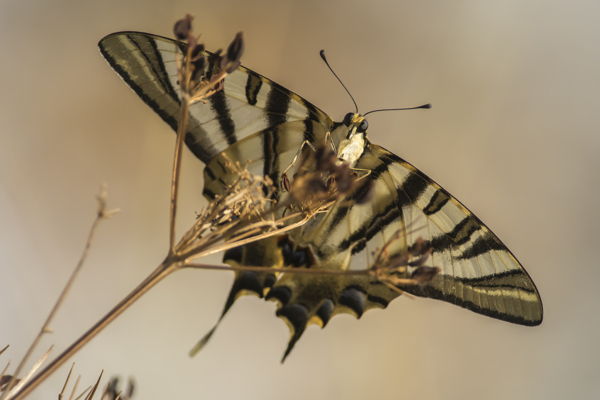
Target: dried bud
{"x": 199, "y": 65}
{"x": 344, "y": 179}
{"x": 230, "y": 66}
{"x": 183, "y": 27}
{"x": 231, "y": 60}
{"x": 368, "y": 193}
{"x": 425, "y": 274}
{"x": 316, "y": 186}
{"x": 419, "y": 247}
{"x": 286, "y": 182}
{"x": 219, "y": 83}
{"x": 326, "y": 159}
{"x": 236, "y": 48}
{"x": 197, "y": 51}
{"x": 421, "y": 260}
{"x": 5, "y": 380}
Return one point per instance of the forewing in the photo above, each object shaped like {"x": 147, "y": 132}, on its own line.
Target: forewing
{"x": 477, "y": 271}
{"x": 248, "y": 103}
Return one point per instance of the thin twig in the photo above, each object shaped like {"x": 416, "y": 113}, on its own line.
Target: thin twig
{"x": 299, "y": 270}
{"x": 101, "y": 214}
{"x": 167, "y": 267}
{"x": 199, "y": 252}
{"x": 60, "y": 395}
{"x": 75, "y": 388}
{"x": 3, "y": 372}
{"x": 25, "y": 379}
{"x": 181, "y": 131}
{"x": 93, "y": 391}
{"x": 84, "y": 392}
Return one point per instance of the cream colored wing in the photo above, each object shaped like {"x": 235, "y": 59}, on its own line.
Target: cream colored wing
{"x": 248, "y": 103}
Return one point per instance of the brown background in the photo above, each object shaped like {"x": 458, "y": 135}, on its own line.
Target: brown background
{"x": 513, "y": 134}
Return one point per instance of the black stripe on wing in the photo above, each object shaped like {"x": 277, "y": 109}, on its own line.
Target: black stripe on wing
{"x": 500, "y": 288}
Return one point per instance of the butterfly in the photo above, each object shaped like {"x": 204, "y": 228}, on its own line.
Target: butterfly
{"x": 253, "y": 118}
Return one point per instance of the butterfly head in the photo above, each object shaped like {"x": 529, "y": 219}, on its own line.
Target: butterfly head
{"x": 353, "y": 145}
{"x": 356, "y": 123}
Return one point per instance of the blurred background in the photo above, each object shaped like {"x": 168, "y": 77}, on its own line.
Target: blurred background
{"x": 513, "y": 133}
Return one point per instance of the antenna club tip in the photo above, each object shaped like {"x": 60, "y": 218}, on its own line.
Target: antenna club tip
{"x": 427, "y": 106}
{"x": 322, "y": 53}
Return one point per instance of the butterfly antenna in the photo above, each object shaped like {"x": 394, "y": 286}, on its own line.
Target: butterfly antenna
{"x": 338, "y": 78}
{"x": 398, "y": 109}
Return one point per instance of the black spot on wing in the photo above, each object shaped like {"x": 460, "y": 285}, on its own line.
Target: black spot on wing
{"x": 325, "y": 310}
{"x": 235, "y": 254}
{"x": 281, "y": 293}
{"x": 297, "y": 316}
{"x": 209, "y": 194}
{"x": 353, "y": 298}
{"x": 209, "y": 172}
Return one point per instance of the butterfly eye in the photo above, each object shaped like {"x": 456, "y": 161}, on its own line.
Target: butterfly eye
{"x": 364, "y": 125}
{"x": 348, "y": 119}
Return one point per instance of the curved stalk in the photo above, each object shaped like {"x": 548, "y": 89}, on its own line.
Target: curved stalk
{"x": 167, "y": 267}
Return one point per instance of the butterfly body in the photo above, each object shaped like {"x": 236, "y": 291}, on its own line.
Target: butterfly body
{"x": 256, "y": 121}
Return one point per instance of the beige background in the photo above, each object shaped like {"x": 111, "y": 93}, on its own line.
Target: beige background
{"x": 513, "y": 134}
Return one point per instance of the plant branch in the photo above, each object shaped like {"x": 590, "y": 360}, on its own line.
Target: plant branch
{"x": 101, "y": 214}
{"x": 181, "y": 130}
{"x": 300, "y": 270}
{"x": 167, "y": 267}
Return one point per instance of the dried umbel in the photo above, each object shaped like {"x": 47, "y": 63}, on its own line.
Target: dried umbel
{"x": 406, "y": 268}
{"x": 194, "y": 83}
{"x": 319, "y": 181}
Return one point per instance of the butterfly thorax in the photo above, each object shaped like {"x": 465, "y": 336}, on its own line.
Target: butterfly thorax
{"x": 352, "y": 147}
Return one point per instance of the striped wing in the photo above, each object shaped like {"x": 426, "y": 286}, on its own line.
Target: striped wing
{"x": 248, "y": 103}
{"x": 477, "y": 271}
{"x": 255, "y": 119}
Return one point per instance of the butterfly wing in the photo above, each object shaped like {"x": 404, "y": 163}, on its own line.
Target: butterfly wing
{"x": 255, "y": 119}
{"x": 477, "y": 271}
{"x": 248, "y": 103}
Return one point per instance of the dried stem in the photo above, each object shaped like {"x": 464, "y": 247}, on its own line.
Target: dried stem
{"x": 60, "y": 395}
{"x": 181, "y": 130}
{"x": 299, "y": 270}
{"x": 167, "y": 267}
{"x": 75, "y": 388}
{"x": 101, "y": 214}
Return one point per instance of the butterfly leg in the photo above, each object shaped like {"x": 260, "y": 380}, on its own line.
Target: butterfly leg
{"x": 328, "y": 138}
{"x": 293, "y": 163}
{"x": 285, "y": 183}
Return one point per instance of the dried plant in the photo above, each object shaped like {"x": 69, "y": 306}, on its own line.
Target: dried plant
{"x": 246, "y": 211}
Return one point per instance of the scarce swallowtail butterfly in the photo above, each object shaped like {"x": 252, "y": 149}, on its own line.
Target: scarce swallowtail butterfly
{"x": 253, "y": 118}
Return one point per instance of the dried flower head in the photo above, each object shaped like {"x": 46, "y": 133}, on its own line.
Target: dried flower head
{"x": 183, "y": 27}
{"x": 231, "y": 60}
{"x": 405, "y": 268}
{"x": 320, "y": 180}
{"x": 195, "y": 85}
